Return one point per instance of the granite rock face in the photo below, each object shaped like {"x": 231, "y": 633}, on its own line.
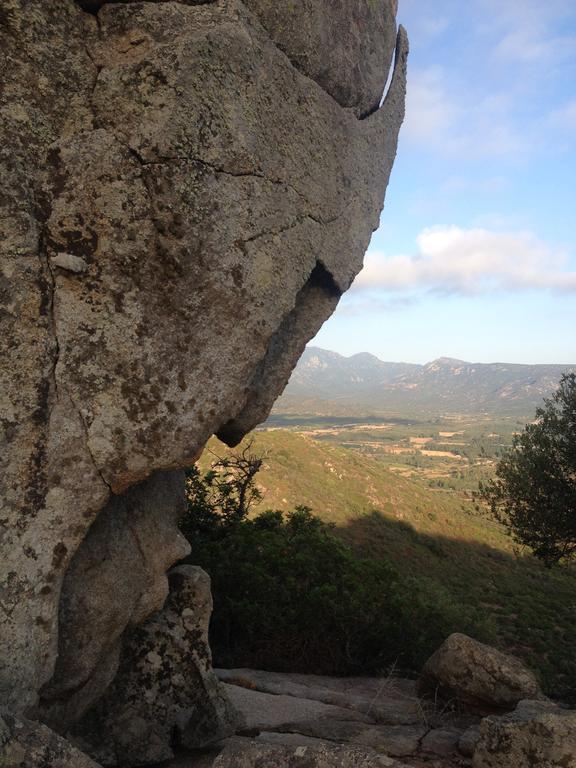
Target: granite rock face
{"x": 117, "y": 579}
{"x": 536, "y": 734}
{"x": 182, "y": 206}
{"x": 165, "y": 693}
{"x": 25, "y": 744}
{"x": 346, "y": 46}
{"x": 478, "y": 676}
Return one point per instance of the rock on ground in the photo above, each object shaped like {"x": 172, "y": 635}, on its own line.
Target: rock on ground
{"x": 265, "y": 711}
{"x": 165, "y": 694}
{"x": 26, "y": 744}
{"x": 385, "y": 700}
{"x": 477, "y": 676}
{"x": 297, "y": 715}
{"x": 181, "y": 208}
{"x": 238, "y": 755}
{"x": 536, "y": 735}
{"x": 468, "y": 740}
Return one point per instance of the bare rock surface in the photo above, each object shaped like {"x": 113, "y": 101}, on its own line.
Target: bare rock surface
{"x": 443, "y": 742}
{"x": 394, "y": 740}
{"x": 267, "y": 712}
{"x": 246, "y": 755}
{"x": 536, "y": 735}
{"x": 182, "y": 207}
{"x": 385, "y": 700}
{"x": 294, "y": 710}
{"x": 117, "y": 579}
{"x": 344, "y": 45}
{"x": 468, "y": 740}
{"x": 165, "y": 693}
{"x": 477, "y": 676}
{"x": 26, "y": 744}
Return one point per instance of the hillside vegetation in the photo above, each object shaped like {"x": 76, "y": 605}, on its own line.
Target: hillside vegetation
{"x": 436, "y": 534}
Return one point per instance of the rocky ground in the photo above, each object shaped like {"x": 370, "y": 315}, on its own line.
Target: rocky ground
{"x": 384, "y": 719}
{"x": 472, "y": 706}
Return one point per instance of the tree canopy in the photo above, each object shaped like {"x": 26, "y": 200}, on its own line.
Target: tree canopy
{"x": 534, "y": 491}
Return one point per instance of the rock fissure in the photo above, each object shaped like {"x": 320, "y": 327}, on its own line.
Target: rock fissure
{"x": 50, "y": 279}
{"x": 166, "y": 160}
{"x": 86, "y": 431}
{"x": 167, "y": 304}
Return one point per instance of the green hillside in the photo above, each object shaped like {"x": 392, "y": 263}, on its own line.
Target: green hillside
{"x": 431, "y": 533}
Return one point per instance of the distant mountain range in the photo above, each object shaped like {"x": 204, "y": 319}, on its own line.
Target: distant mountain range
{"x": 325, "y": 382}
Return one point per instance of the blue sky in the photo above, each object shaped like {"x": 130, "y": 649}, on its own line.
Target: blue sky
{"x": 476, "y": 254}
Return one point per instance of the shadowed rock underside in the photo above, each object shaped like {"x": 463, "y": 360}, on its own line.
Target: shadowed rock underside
{"x": 185, "y": 197}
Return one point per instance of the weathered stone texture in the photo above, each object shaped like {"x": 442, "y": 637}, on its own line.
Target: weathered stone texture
{"x": 259, "y": 755}
{"x": 536, "y": 735}
{"x": 165, "y": 693}
{"x": 477, "y": 676}
{"x": 344, "y": 45}
{"x": 24, "y": 744}
{"x": 182, "y": 204}
{"x": 117, "y": 579}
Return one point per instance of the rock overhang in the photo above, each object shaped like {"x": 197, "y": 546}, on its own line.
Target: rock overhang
{"x": 186, "y": 208}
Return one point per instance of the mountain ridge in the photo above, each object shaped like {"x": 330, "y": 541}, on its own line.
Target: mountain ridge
{"x": 364, "y": 381}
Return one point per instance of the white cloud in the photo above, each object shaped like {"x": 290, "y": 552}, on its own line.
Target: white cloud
{"x": 453, "y": 124}
{"x": 469, "y": 262}
{"x": 564, "y": 118}
{"x": 455, "y": 185}
{"x": 430, "y": 114}
{"x": 532, "y": 31}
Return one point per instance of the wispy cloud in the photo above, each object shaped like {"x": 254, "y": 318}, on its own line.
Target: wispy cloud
{"x": 563, "y": 119}
{"x": 430, "y": 113}
{"x": 440, "y": 117}
{"x": 531, "y": 31}
{"x": 469, "y": 262}
{"x": 496, "y": 101}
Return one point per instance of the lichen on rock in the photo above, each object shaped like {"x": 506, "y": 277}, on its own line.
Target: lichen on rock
{"x": 165, "y": 694}
{"x": 183, "y": 204}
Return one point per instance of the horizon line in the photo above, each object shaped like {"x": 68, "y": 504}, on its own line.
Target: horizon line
{"x": 438, "y": 359}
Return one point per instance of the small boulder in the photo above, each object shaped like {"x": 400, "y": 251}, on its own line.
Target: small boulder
{"x": 26, "y": 744}
{"x": 165, "y": 694}
{"x": 477, "y": 676}
{"x": 536, "y": 734}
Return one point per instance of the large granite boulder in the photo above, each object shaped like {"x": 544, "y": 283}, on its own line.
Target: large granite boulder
{"x": 536, "y": 735}
{"x": 477, "y": 676}
{"x": 26, "y": 744}
{"x": 165, "y": 694}
{"x": 181, "y": 209}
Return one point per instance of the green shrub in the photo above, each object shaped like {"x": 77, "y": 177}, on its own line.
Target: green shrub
{"x": 291, "y": 596}
{"x": 534, "y": 492}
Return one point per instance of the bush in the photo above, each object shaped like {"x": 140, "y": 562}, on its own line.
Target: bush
{"x": 289, "y": 595}
{"x": 534, "y": 493}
